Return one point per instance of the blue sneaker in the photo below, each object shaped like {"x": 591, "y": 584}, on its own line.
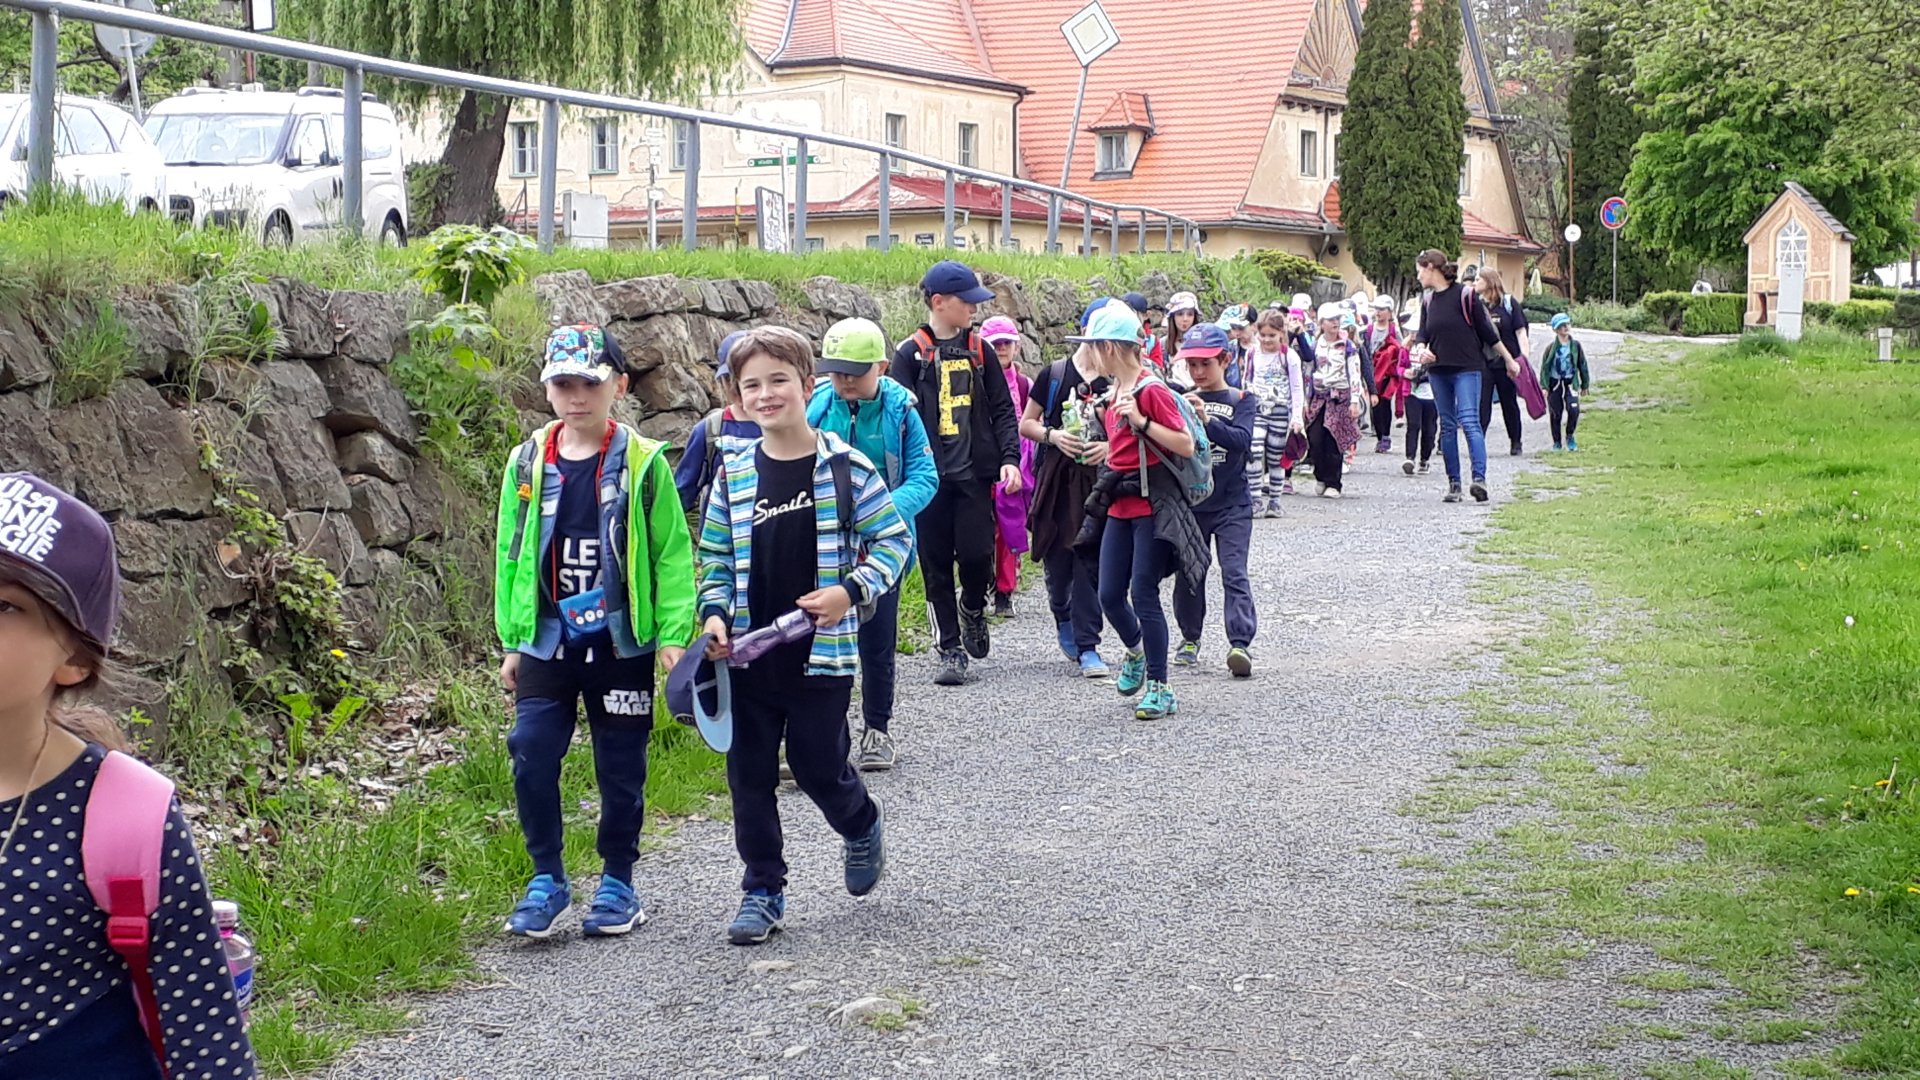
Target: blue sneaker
{"x": 616, "y": 910}
{"x": 1133, "y": 673}
{"x": 759, "y": 916}
{"x": 867, "y": 855}
{"x": 1092, "y": 667}
{"x": 1571, "y": 445}
{"x": 1157, "y": 703}
{"x": 546, "y": 899}
{"x": 1063, "y": 633}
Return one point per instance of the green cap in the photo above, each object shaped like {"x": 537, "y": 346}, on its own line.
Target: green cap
{"x": 852, "y": 347}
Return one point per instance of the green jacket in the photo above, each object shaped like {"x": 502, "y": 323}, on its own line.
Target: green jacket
{"x": 1577, "y": 359}
{"x": 645, "y": 609}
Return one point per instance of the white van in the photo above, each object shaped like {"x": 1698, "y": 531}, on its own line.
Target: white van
{"x": 98, "y": 150}
{"x": 270, "y": 163}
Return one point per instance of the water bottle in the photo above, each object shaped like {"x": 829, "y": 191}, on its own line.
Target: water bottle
{"x": 240, "y": 955}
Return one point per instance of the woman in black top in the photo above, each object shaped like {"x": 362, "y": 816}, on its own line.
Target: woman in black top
{"x": 1455, "y": 333}
{"x": 1511, "y": 320}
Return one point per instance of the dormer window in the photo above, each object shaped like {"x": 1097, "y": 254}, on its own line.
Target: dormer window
{"x": 1123, "y": 129}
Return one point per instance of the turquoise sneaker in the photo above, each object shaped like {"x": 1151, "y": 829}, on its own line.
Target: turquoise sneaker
{"x": 1157, "y": 704}
{"x": 1571, "y": 445}
{"x": 1133, "y": 673}
{"x": 616, "y": 910}
{"x": 545, "y": 901}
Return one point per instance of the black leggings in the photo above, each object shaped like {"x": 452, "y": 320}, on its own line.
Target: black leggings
{"x": 1497, "y": 379}
{"x": 1562, "y": 395}
{"x": 1383, "y": 419}
{"x": 1423, "y": 427}
{"x": 1328, "y": 460}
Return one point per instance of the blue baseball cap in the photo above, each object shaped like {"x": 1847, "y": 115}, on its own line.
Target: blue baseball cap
{"x": 700, "y": 692}
{"x": 1098, "y": 303}
{"x": 1560, "y": 320}
{"x": 725, "y": 370}
{"x": 1205, "y": 339}
{"x": 1136, "y": 301}
{"x": 1112, "y": 320}
{"x": 950, "y": 278}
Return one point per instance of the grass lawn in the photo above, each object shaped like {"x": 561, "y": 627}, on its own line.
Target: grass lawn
{"x": 1749, "y": 809}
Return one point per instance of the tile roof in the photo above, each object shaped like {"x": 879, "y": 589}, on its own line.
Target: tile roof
{"x": 914, "y": 193}
{"x": 934, "y": 38}
{"x": 1477, "y": 230}
{"x": 1208, "y": 128}
{"x": 1285, "y": 217}
{"x": 1819, "y": 211}
{"x": 1129, "y": 109}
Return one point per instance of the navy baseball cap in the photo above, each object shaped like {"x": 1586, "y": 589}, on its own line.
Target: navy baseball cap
{"x": 725, "y": 370}
{"x": 700, "y": 692}
{"x": 951, "y": 278}
{"x": 1205, "y": 339}
{"x": 1136, "y": 301}
{"x": 62, "y": 550}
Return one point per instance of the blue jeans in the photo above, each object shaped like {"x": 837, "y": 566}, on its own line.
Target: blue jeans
{"x": 1132, "y": 565}
{"x": 879, "y": 643}
{"x": 1072, "y": 596}
{"x": 1456, "y": 393}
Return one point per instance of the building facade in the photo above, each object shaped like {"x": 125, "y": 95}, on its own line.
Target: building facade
{"x": 1797, "y": 230}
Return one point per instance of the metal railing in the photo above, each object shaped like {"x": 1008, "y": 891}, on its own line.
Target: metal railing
{"x": 355, "y": 67}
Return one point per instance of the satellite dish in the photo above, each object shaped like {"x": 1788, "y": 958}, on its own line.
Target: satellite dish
{"x": 119, "y": 41}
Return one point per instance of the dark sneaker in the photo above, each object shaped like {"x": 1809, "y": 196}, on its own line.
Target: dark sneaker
{"x": 1479, "y": 490}
{"x": 545, "y": 901}
{"x": 1407, "y": 466}
{"x": 1063, "y": 633}
{"x": 1385, "y": 447}
{"x": 1003, "y": 605}
{"x": 1273, "y": 508}
{"x": 1240, "y": 662}
{"x": 1188, "y": 654}
{"x": 973, "y": 633}
{"x": 1425, "y": 467}
{"x": 867, "y": 855}
{"x": 616, "y": 910}
{"x": 953, "y": 668}
{"x": 876, "y": 751}
{"x": 1453, "y": 493}
{"x": 759, "y": 917}
{"x": 1558, "y": 447}
{"x": 1515, "y": 451}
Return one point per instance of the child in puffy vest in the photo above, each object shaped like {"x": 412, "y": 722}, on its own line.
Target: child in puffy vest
{"x": 74, "y": 1004}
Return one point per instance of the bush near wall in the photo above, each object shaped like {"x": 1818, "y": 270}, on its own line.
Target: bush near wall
{"x": 1540, "y": 307}
{"x": 1288, "y": 271}
{"x": 1697, "y": 313}
{"x": 1860, "y": 316}
{"x": 1877, "y": 292}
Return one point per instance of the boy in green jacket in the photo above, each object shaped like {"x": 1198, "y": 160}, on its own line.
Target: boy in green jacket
{"x": 593, "y": 574}
{"x": 1563, "y": 371}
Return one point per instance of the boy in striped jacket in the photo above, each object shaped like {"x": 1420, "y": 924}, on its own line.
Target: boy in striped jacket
{"x": 772, "y": 541}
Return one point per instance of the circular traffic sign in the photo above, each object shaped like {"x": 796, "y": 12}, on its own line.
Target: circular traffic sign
{"x": 1572, "y": 233}
{"x": 1613, "y": 213}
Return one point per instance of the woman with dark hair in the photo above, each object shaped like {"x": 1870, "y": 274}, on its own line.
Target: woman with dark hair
{"x": 1511, "y": 320}
{"x": 1455, "y": 332}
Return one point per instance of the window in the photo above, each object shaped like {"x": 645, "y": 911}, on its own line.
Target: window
{"x": 1336, "y": 155}
{"x": 606, "y": 145}
{"x": 1309, "y": 152}
{"x": 1466, "y": 174}
{"x": 969, "y": 143}
{"x": 873, "y": 240}
{"x": 682, "y": 145}
{"x": 816, "y": 243}
{"x": 89, "y": 137}
{"x": 377, "y": 137}
{"x": 1791, "y": 247}
{"x": 526, "y": 148}
{"x": 1113, "y": 152}
{"x": 310, "y": 144}
{"x": 896, "y": 131}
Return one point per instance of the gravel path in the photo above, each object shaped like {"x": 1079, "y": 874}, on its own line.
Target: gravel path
{"x": 1075, "y": 893}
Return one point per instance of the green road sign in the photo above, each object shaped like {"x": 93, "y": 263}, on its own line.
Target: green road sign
{"x": 770, "y": 162}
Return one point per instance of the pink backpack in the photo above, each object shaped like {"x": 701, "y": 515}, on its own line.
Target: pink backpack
{"x": 120, "y": 848}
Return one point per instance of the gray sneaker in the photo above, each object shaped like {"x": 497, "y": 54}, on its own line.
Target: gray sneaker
{"x": 1273, "y": 508}
{"x": 953, "y": 668}
{"x": 876, "y": 751}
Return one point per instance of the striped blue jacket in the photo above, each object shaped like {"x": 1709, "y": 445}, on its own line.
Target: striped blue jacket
{"x": 726, "y": 544}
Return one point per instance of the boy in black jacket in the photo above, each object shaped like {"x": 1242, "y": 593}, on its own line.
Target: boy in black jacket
{"x": 968, "y": 412}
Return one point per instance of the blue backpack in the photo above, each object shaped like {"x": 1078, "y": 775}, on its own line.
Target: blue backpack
{"x": 1195, "y": 472}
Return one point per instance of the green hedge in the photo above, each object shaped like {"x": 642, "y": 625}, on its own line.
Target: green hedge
{"x": 1601, "y": 315}
{"x": 1543, "y": 306}
{"x": 1875, "y": 292}
{"x": 1860, "y": 316}
{"x": 1288, "y": 271}
{"x": 1697, "y": 313}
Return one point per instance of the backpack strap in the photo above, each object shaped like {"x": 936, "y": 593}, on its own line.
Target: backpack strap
{"x": 120, "y": 847}
{"x": 523, "y": 466}
{"x": 842, "y": 470}
{"x": 714, "y": 423}
{"x": 923, "y": 347}
{"x": 976, "y": 349}
{"x": 1056, "y": 375}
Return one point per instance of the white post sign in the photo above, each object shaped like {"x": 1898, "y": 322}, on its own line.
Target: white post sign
{"x": 770, "y": 207}
{"x": 1793, "y": 288}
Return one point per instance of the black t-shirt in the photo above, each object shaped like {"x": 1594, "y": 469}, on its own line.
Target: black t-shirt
{"x": 575, "y": 565}
{"x": 1509, "y": 318}
{"x": 967, "y": 409}
{"x": 1075, "y": 392}
{"x": 784, "y": 552}
{"x": 1457, "y": 327}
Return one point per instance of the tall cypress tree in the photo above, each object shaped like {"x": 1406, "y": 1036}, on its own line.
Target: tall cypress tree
{"x": 1439, "y": 119}
{"x": 1378, "y": 162}
{"x": 1604, "y": 124}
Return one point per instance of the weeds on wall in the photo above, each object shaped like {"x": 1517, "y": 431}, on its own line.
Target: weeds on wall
{"x": 91, "y": 357}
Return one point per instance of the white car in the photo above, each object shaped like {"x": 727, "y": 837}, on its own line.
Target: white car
{"x": 271, "y": 163}
{"x": 98, "y": 149}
